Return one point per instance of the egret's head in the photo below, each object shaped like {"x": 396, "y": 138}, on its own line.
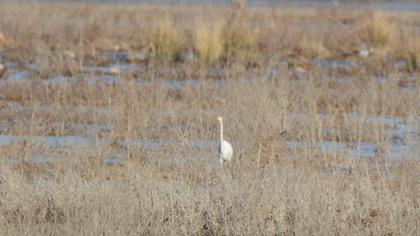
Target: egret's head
{"x": 219, "y": 118}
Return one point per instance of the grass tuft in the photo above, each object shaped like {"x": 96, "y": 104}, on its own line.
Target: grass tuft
{"x": 167, "y": 40}
{"x": 413, "y": 55}
{"x": 312, "y": 48}
{"x": 239, "y": 40}
{"x": 208, "y": 41}
{"x": 376, "y": 29}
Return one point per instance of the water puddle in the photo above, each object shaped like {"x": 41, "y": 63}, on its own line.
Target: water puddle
{"x": 125, "y": 56}
{"x": 179, "y": 84}
{"x": 52, "y": 141}
{"x": 161, "y": 143}
{"x": 335, "y": 63}
{"x": 39, "y": 159}
{"x": 59, "y": 79}
{"x": 115, "y": 160}
{"x": 361, "y": 150}
{"x": 353, "y": 150}
{"x": 19, "y": 76}
{"x": 116, "y": 55}
{"x": 79, "y": 141}
{"x": 402, "y": 133}
{"x": 106, "y": 76}
{"x": 120, "y": 65}
{"x": 114, "y": 69}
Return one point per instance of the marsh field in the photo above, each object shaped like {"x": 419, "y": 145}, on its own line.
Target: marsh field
{"x": 108, "y": 120}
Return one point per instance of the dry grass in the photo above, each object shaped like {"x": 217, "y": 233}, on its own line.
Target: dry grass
{"x": 166, "y": 40}
{"x": 2, "y": 40}
{"x": 209, "y": 42}
{"x": 239, "y": 4}
{"x": 271, "y": 187}
{"x": 156, "y": 191}
{"x": 82, "y": 31}
{"x": 376, "y": 29}
{"x": 240, "y": 39}
{"x": 413, "y": 55}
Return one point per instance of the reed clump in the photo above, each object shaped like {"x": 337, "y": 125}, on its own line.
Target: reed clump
{"x": 412, "y": 56}
{"x": 243, "y": 34}
{"x": 208, "y": 41}
{"x": 167, "y": 41}
{"x": 376, "y": 29}
{"x": 239, "y": 40}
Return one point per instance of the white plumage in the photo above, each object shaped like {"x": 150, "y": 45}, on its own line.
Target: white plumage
{"x": 225, "y": 149}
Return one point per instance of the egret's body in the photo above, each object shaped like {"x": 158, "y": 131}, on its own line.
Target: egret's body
{"x": 225, "y": 149}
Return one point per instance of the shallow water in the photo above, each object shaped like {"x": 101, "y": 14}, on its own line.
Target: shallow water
{"x": 361, "y": 150}
{"x": 120, "y": 66}
{"x": 19, "y": 76}
{"x": 403, "y": 133}
{"x": 353, "y": 150}
{"x": 53, "y": 141}
{"x": 114, "y": 69}
{"x": 334, "y": 63}
{"x": 400, "y": 136}
{"x": 115, "y": 160}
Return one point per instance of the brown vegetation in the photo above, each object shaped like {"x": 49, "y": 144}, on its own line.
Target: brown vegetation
{"x": 239, "y": 4}
{"x": 2, "y": 40}
{"x": 81, "y": 31}
{"x": 113, "y": 182}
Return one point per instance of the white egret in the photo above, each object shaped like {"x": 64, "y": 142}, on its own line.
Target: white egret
{"x": 225, "y": 149}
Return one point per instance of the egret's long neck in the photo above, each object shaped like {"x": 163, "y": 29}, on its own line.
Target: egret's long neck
{"x": 221, "y": 131}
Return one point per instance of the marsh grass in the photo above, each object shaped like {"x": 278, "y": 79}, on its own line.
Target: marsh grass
{"x": 166, "y": 40}
{"x": 314, "y": 49}
{"x": 240, "y": 39}
{"x": 376, "y": 29}
{"x": 209, "y": 42}
{"x": 82, "y": 31}
{"x": 413, "y": 55}
{"x": 239, "y": 4}
{"x": 178, "y": 189}
{"x": 270, "y": 188}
